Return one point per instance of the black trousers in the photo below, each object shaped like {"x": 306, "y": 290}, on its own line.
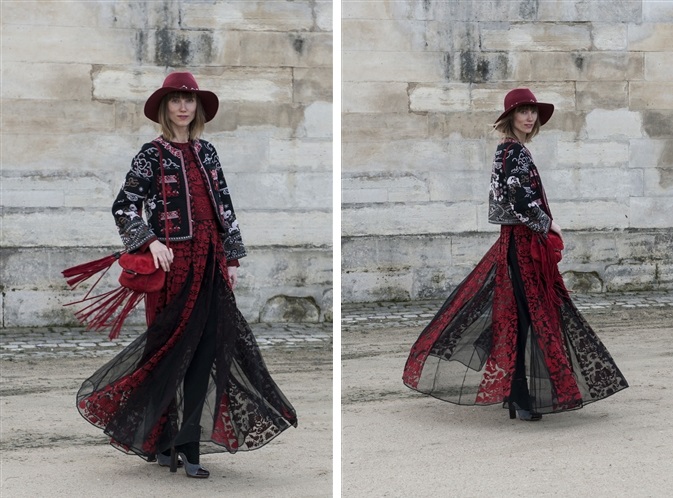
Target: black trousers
{"x": 519, "y": 393}
{"x": 195, "y": 386}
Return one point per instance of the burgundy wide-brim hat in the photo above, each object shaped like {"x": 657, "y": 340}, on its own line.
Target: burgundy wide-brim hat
{"x": 523, "y": 96}
{"x": 181, "y": 82}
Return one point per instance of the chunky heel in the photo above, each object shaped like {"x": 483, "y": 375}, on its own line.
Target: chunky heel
{"x": 525, "y": 415}
{"x": 174, "y": 459}
{"x": 512, "y": 411}
{"x": 165, "y": 460}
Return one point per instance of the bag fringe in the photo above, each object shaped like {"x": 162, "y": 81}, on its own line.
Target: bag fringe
{"x": 109, "y": 309}
{"x": 78, "y": 274}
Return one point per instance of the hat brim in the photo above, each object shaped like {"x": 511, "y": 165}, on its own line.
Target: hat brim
{"x": 544, "y": 111}
{"x": 209, "y": 101}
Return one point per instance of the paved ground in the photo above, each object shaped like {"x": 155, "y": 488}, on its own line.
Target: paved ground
{"x": 398, "y": 443}
{"x": 363, "y": 316}
{"x": 61, "y": 342}
{"x": 48, "y": 450}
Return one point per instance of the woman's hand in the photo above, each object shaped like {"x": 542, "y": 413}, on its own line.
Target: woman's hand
{"x": 233, "y": 276}
{"x": 163, "y": 256}
{"x": 555, "y": 228}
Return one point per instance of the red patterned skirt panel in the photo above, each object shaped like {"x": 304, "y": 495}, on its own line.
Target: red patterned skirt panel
{"x": 467, "y": 354}
{"x": 138, "y": 398}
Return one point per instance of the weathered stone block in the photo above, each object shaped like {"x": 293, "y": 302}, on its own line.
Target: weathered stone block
{"x": 56, "y": 44}
{"x": 442, "y": 98}
{"x": 457, "y": 186}
{"x": 454, "y": 125}
{"x": 651, "y": 95}
{"x": 65, "y": 227}
{"x": 546, "y": 67}
{"x": 650, "y": 212}
{"x": 561, "y": 184}
{"x": 268, "y": 49}
{"x": 432, "y": 154}
{"x": 277, "y": 120}
{"x": 605, "y": 95}
{"x": 327, "y": 309}
{"x": 592, "y": 214}
{"x": 657, "y": 11}
{"x": 593, "y": 154}
{"x": 658, "y": 181}
{"x": 658, "y": 124}
{"x": 308, "y": 155}
{"x": 583, "y": 282}
{"x": 290, "y": 309}
{"x": 446, "y": 36}
{"x": 43, "y": 81}
{"x": 650, "y": 37}
{"x": 607, "y": 36}
{"x": 626, "y": 277}
{"x": 384, "y": 188}
{"x": 363, "y": 195}
{"x": 586, "y": 248}
{"x": 383, "y": 35}
{"x": 311, "y": 84}
{"x": 317, "y": 121}
{"x": 249, "y": 16}
{"x": 399, "y": 219}
{"x": 362, "y": 287}
{"x": 482, "y": 10}
{"x": 383, "y": 127}
{"x": 613, "y": 124}
{"x": 468, "y": 249}
{"x": 298, "y": 228}
{"x": 588, "y": 10}
{"x": 545, "y": 37}
{"x": 56, "y": 191}
{"x": 47, "y": 13}
{"x": 649, "y": 153}
{"x": 419, "y": 67}
{"x": 24, "y": 116}
{"x": 658, "y": 66}
{"x": 372, "y": 97}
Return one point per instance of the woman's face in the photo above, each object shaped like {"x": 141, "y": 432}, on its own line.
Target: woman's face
{"x": 181, "y": 109}
{"x": 524, "y": 120}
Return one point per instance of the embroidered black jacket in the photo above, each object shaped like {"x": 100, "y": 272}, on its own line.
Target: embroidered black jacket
{"x": 142, "y": 189}
{"x": 516, "y": 196}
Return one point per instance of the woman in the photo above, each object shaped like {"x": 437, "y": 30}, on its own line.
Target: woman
{"x": 509, "y": 333}
{"x": 196, "y": 375}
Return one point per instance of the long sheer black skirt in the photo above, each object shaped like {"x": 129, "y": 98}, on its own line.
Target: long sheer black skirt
{"x": 195, "y": 374}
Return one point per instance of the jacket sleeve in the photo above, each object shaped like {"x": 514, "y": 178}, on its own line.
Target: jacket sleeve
{"x": 127, "y": 207}
{"x": 234, "y": 248}
{"x": 523, "y": 190}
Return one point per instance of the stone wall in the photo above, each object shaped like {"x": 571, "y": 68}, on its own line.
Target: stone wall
{"x": 422, "y": 83}
{"x": 75, "y": 76}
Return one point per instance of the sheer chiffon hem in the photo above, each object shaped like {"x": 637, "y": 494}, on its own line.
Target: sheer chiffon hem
{"x": 467, "y": 353}
{"x": 139, "y": 397}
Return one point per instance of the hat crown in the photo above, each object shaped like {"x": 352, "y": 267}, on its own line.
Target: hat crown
{"x": 181, "y": 81}
{"x": 519, "y": 96}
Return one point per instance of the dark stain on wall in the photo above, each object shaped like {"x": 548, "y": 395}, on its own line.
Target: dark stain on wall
{"x": 528, "y": 9}
{"x": 578, "y": 59}
{"x": 298, "y": 45}
{"x": 178, "y": 48}
{"x": 477, "y": 68}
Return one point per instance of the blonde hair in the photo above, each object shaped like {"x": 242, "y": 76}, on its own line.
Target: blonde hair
{"x": 506, "y": 124}
{"x": 197, "y": 125}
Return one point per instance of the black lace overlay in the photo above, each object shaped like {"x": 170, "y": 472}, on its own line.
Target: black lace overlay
{"x": 141, "y": 398}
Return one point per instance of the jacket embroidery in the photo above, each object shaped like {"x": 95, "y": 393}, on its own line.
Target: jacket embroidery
{"x": 142, "y": 190}
{"x": 516, "y": 195}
